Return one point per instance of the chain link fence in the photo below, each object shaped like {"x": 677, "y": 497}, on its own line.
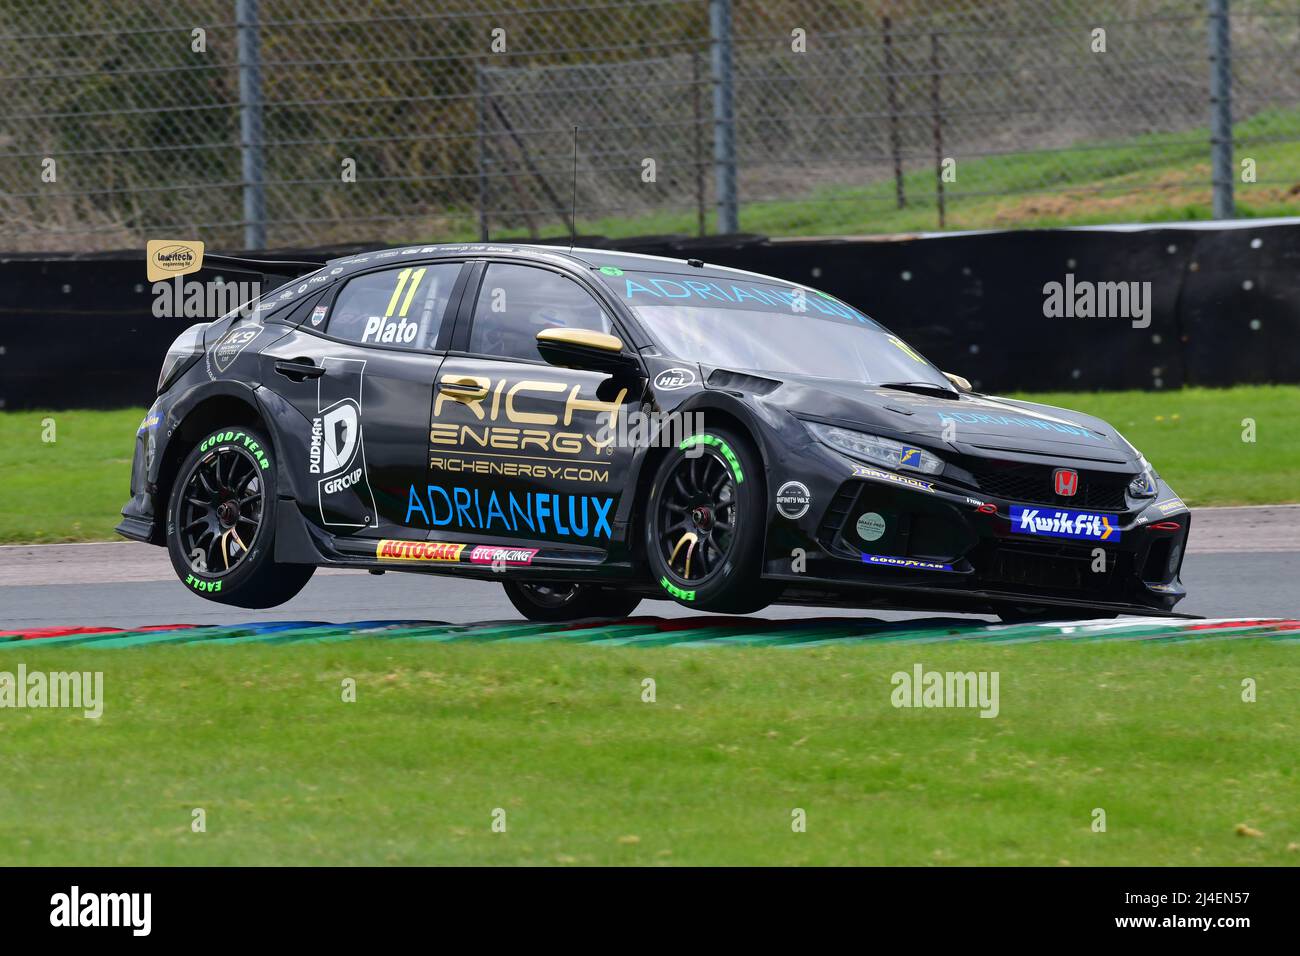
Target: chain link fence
{"x": 269, "y": 122}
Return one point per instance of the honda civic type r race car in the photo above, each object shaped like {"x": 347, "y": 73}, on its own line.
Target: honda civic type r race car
{"x": 594, "y": 428}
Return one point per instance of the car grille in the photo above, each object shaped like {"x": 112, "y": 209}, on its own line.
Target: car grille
{"x": 1098, "y": 490}
{"x": 1054, "y": 568}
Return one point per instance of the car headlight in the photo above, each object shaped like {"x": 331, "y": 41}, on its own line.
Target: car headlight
{"x": 873, "y": 448}
{"x": 183, "y": 353}
{"x": 1144, "y": 485}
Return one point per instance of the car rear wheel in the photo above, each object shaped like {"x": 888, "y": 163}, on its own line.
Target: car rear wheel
{"x": 706, "y": 524}
{"x": 568, "y": 602}
{"x": 221, "y": 523}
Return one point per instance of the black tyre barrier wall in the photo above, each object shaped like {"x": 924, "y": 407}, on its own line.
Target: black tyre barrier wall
{"x": 1224, "y": 307}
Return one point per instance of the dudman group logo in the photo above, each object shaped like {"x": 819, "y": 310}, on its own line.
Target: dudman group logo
{"x": 167, "y": 258}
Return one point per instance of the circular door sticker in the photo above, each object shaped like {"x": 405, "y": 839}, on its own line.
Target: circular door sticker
{"x": 871, "y": 526}
{"x": 793, "y": 500}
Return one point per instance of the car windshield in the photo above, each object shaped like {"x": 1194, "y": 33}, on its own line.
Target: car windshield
{"x": 766, "y": 327}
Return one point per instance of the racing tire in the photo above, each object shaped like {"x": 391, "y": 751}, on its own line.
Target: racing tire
{"x": 221, "y": 522}
{"x": 568, "y": 602}
{"x": 706, "y": 519}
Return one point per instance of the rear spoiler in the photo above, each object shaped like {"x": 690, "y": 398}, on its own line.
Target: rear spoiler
{"x": 270, "y": 267}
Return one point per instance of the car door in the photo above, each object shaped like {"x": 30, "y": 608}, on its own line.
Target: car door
{"x": 360, "y": 370}
{"x": 522, "y": 451}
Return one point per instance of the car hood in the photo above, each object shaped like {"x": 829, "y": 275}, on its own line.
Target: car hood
{"x": 974, "y": 423}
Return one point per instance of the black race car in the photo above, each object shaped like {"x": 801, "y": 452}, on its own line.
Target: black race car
{"x": 594, "y": 428}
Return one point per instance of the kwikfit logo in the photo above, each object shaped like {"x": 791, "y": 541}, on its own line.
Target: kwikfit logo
{"x": 1063, "y": 524}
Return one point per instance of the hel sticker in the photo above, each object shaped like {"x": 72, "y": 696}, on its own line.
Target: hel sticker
{"x": 318, "y": 315}
{"x": 910, "y": 564}
{"x": 674, "y": 378}
{"x": 871, "y": 527}
{"x": 388, "y": 550}
{"x": 722, "y": 447}
{"x": 165, "y": 258}
{"x": 1060, "y": 523}
{"x": 793, "y": 500}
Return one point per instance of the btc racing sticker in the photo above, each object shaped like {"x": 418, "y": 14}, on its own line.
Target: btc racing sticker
{"x": 387, "y": 550}
{"x": 498, "y": 556}
{"x": 337, "y": 452}
{"x": 223, "y": 354}
{"x": 1060, "y": 523}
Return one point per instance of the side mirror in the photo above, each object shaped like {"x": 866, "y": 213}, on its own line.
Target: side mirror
{"x": 961, "y": 384}
{"x": 585, "y": 349}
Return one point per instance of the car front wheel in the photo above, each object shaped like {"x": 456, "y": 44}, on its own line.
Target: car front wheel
{"x": 221, "y": 523}
{"x": 706, "y": 523}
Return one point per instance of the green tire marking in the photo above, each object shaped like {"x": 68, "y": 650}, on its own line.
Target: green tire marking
{"x": 722, "y": 446}
{"x": 675, "y": 591}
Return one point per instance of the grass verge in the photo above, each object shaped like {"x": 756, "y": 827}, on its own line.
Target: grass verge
{"x": 558, "y": 737}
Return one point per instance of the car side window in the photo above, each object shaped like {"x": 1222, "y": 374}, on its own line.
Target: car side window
{"x": 399, "y": 307}
{"x": 516, "y": 302}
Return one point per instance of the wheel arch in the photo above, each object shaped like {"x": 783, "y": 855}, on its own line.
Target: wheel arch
{"x": 718, "y": 409}
{"x": 199, "y": 412}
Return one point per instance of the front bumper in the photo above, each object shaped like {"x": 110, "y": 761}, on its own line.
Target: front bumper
{"x": 903, "y": 540}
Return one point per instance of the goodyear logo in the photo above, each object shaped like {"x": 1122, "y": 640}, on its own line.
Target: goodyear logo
{"x": 1060, "y": 523}
{"x": 387, "y": 550}
{"x": 911, "y": 458}
{"x": 888, "y": 560}
{"x": 165, "y": 258}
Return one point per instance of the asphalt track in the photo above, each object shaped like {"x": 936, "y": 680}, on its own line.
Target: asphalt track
{"x": 1242, "y": 563}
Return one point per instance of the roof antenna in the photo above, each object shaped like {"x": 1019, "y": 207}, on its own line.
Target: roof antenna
{"x": 573, "y": 209}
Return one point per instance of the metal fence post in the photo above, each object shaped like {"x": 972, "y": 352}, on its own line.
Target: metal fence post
{"x": 936, "y": 110}
{"x": 1220, "y": 31}
{"x": 480, "y": 104}
{"x": 891, "y": 95}
{"x": 250, "y": 122}
{"x": 724, "y": 132}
